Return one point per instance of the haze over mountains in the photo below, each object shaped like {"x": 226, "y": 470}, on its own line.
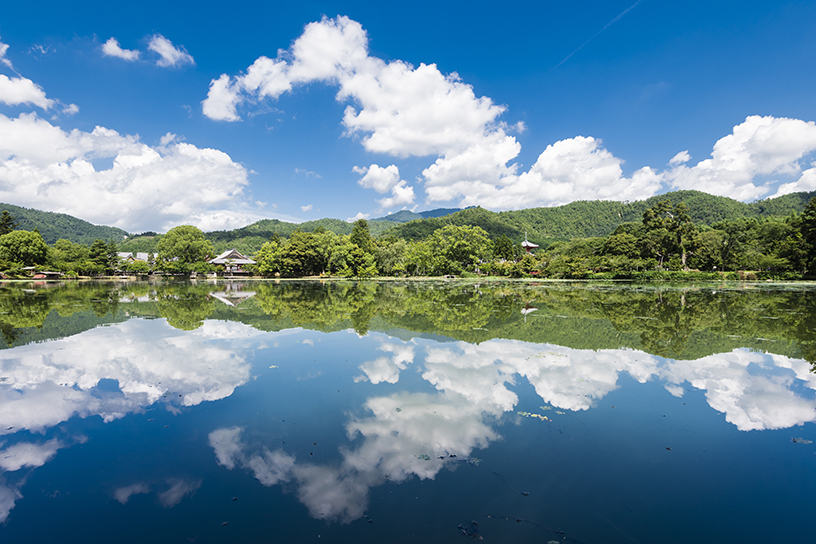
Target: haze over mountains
{"x": 540, "y": 225}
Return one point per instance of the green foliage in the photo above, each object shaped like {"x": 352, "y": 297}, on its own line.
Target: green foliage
{"x": 182, "y": 246}
{"x": 23, "y": 248}
{"x": 7, "y": 222}
{"x": 503, "y": 248}
{"x": 456, "y": 248}
{"x": 809, "y": 234}
{"x": 361, "y": 236}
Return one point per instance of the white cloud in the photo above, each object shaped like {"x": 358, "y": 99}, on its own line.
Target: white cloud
{"x": 360, "y": 215}
{"x": 757, "y": 148}
{"x": 387, "y": 369}
{"x": 8, "y": 497}
{"x": 306, "y": 208}
{"x": 378, "y": 178}
{"x": 112, "y": 48}
{"x": 403, "y": 111}
{"x": 383, "y": 180}
{"x": 146, "y": 188}
{"x": 52, "y": 382}
{"x": 681, "y": 158}
{"x": 123, "y": 494}
{"x": 170, "y": 54}
{"x": 3, "y": 59}
{"x": 28, "y": 454}
{"x": 401, "y": 195}
{"x": 70, "y": 109}
{"x": 806, "y": 182}
{"x": 19, "y": 90}
{"x": 178, "y": 490}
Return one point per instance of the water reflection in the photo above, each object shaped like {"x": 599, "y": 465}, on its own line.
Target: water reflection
{"x": 442, "y": 372}
{"x": 409, "y": 434}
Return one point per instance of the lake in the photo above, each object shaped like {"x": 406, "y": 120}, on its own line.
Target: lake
{"x": 407, "y": 412}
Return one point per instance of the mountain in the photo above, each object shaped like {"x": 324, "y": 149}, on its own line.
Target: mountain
{"x": 542, "y": 226}
{"x": 403, "y": 216}
{"x": 53, "y": 226}
{"x": 590, "y": 218}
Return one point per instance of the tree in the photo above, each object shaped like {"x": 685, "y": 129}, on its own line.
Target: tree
{"x": 7, "y": 222}
{"x": 503, "y": 248}
{"x": 184, "y": 245}
{"x": 809, "y": 233}
{"x": 23, "y": 248}
{"x": 361, "y": 235}
{"x": 455, "y": 248}
{"x": 675, "y": 221}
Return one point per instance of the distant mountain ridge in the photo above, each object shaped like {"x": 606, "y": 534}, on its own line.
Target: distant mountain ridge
{"x": 53, "y": 226}
{"x": 403, "y": 216}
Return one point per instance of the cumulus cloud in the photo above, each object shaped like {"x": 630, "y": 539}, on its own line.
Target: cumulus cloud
{"x": 146, "y": 187}
{"x": 28, "y": 454}
{"x": 52, "y": 382}
{"x": 378, "y": 178}
{"x": 112, "y": 48}
{"x": 8, "y": 497}
{"x": 19, "y": 90}
{"x": 402, "y": 195}
{"x": 170, "y": 55}
{"x": 383, "y": 180}
{"x": 756, "y": 149}
{"x": 397, "y": 430}
{"x": 806, "y": 182}
{"x": 400, "y": 110}
{"x": 764, "y": 397}
{"x": 306, "y": 208}
{"x": 360, "y": 215}
{"x": 177, "y": 491}
{"x": 123, "y": 494}
{"x": 387, "y": 369}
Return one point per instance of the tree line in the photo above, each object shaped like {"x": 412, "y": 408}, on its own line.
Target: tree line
{"x": 664, "y": 242}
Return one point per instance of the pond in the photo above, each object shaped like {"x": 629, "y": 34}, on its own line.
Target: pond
{"x": 407, "y": 412}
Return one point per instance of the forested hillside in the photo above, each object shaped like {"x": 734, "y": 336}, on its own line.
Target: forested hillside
{"x": 53, "y": 226}
{"x": 586, "y": 219}
{"x": 542, "y": 226}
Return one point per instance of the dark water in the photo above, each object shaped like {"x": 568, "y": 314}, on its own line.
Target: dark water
{"x": 407, "y": 412}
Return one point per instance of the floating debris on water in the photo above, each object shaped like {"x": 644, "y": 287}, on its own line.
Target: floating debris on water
{"x": 424, "y": 457}
{"x": 546, "y": 407}
{"x": 471, "y": 530}
{"x": 801, "y": 440}
{"x": 473, "y": 461}
{"x": 560, "y": 413}
{"x": 398, "y": 409}
{"x": 274, "y": 366}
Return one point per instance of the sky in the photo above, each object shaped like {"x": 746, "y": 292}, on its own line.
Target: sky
{"x": 151, "y": 115}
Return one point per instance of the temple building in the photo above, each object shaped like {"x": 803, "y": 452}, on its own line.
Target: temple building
{"x": 231, "y": 260}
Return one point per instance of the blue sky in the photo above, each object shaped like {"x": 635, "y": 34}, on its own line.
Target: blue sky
{"x": 158, "y": 114}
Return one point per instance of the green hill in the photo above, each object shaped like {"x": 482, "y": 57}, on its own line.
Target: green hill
{"x": 590, "y": 218}
{"x": 53, "y": 226}
{"x": 542, "y": 226}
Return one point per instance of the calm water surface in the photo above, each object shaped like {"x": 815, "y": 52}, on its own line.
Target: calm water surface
{"x": 407, "y": 412}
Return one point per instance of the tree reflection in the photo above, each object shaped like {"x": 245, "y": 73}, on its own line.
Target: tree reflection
{"x": 681, "y": 322}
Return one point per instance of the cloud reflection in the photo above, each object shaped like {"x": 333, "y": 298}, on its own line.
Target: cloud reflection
{"x": 49, "y": 383}
{"x": 407, "y": 435}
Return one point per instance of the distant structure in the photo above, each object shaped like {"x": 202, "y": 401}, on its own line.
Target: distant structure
{"x": 231, "y": 260}
{"x": 528, "y": 245}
